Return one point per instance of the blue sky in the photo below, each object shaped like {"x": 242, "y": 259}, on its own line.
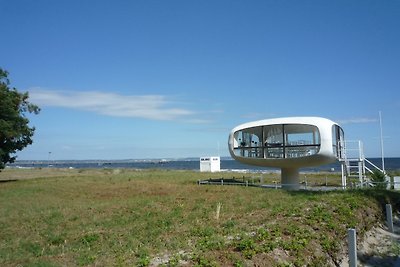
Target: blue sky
{"x": 170, "y": 79}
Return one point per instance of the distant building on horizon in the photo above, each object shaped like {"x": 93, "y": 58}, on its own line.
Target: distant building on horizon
{"x": 210, "y": 164}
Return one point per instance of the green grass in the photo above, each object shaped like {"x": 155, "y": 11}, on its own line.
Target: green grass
{"x": 128, "y": 218}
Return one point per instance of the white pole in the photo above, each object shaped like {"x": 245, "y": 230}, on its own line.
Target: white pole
{"x": 383, "y": 158}
{"x": 352, "y": 239}
{"x": 344, "y": 176}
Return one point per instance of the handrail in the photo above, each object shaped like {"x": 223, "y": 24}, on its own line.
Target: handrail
{"x": 376, "y": 167}
{"x": 368, "y": 169}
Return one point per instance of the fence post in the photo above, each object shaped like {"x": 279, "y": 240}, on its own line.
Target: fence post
{"x": 389, "y": 217}
{"x": 352, "y": 240}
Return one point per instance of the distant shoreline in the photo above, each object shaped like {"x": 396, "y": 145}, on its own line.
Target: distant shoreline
{"x": 391, "y": 164}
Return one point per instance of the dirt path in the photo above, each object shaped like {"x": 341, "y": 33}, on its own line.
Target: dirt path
{"x": 379, "y": 248}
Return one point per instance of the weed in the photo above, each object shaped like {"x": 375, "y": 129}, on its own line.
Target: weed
{"x": 238, "y": 264}
{"x": 89, "y": 239}
{"x": 34, "y": 248}
{"x": 203, "y": 231}
{"x": 330, "y": 244}
{"x": 284, "y": 264}
{"x": 247, "y": 246}
{"x": 210, "y": 243}
{"x": 202, "y": 261}
{"x": 395, "y": 249}
{"x": 143, "y": 259}
{"x": 174, "y": 261}
{"x": 294, "y": 244}
{"x": 56, "y": 239}
{"x": 263, "y": 234}
{"x": 86, "y": 258}
{"x": 230, "y": 224}
{"x": 268, "y": 246}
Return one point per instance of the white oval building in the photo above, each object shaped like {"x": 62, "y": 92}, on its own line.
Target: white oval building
{"x": 287, "y": 143}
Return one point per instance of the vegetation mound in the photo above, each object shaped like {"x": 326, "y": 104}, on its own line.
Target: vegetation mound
{"x": 151, "y": 217}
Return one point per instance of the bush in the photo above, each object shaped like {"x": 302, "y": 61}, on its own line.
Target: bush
{"x": 379, "y": 179}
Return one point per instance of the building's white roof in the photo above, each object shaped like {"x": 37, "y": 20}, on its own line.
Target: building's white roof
{"x": 317, "y": 121}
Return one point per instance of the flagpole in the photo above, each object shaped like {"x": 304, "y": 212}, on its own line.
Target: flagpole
{"x": 383, "y": 157}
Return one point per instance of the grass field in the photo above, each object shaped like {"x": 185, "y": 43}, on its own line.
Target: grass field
{"x": 105, "y": 217}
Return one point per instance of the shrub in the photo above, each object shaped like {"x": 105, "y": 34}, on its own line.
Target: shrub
{"x": 379, "y": 179}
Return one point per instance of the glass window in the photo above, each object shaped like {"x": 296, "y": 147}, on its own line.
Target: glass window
{"x": 248, "y": 143}
{"x": 277, "y": 141}
{"x": 302, "y": 135}
{"x": 301, "y": 140}
{"x": 273, "y": 136}
{"x": 338, "y": 141}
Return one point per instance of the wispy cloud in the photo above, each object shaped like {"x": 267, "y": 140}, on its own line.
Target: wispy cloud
{"x": 357, "y": 120}
{"x": 154, "y": 107}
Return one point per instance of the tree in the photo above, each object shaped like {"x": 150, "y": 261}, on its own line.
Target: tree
{"x": 15, "y": 133}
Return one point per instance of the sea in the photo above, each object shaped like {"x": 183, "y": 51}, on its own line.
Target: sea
{"x": 227, "y": 164}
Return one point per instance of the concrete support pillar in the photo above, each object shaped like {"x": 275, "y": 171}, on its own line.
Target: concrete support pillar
{"x": 290, "y": 178}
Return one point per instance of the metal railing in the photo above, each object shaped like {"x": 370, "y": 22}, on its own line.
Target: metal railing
{"x": 373, "y": 165}
{"x": 302, "y": 186}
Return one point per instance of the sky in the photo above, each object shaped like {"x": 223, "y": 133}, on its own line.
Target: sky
{"x": 170, "y": 79}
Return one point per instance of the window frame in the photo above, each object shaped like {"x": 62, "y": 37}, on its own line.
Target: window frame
{"x": 265, "y": 150}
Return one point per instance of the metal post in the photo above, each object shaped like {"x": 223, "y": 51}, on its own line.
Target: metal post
{"x": 305, "y": 181}
{"x": 344, "y": 182}
{"x": 360, "y": 172}
{"x": 389, "y": 217}
{"x": 352, "y": 239}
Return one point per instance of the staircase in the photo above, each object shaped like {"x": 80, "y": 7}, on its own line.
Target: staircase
{"x": 354, "y": 164}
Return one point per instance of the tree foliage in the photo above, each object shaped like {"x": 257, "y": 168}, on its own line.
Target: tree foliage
{"x": 15, "y": 133}
{"x": 379, "y": 179}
